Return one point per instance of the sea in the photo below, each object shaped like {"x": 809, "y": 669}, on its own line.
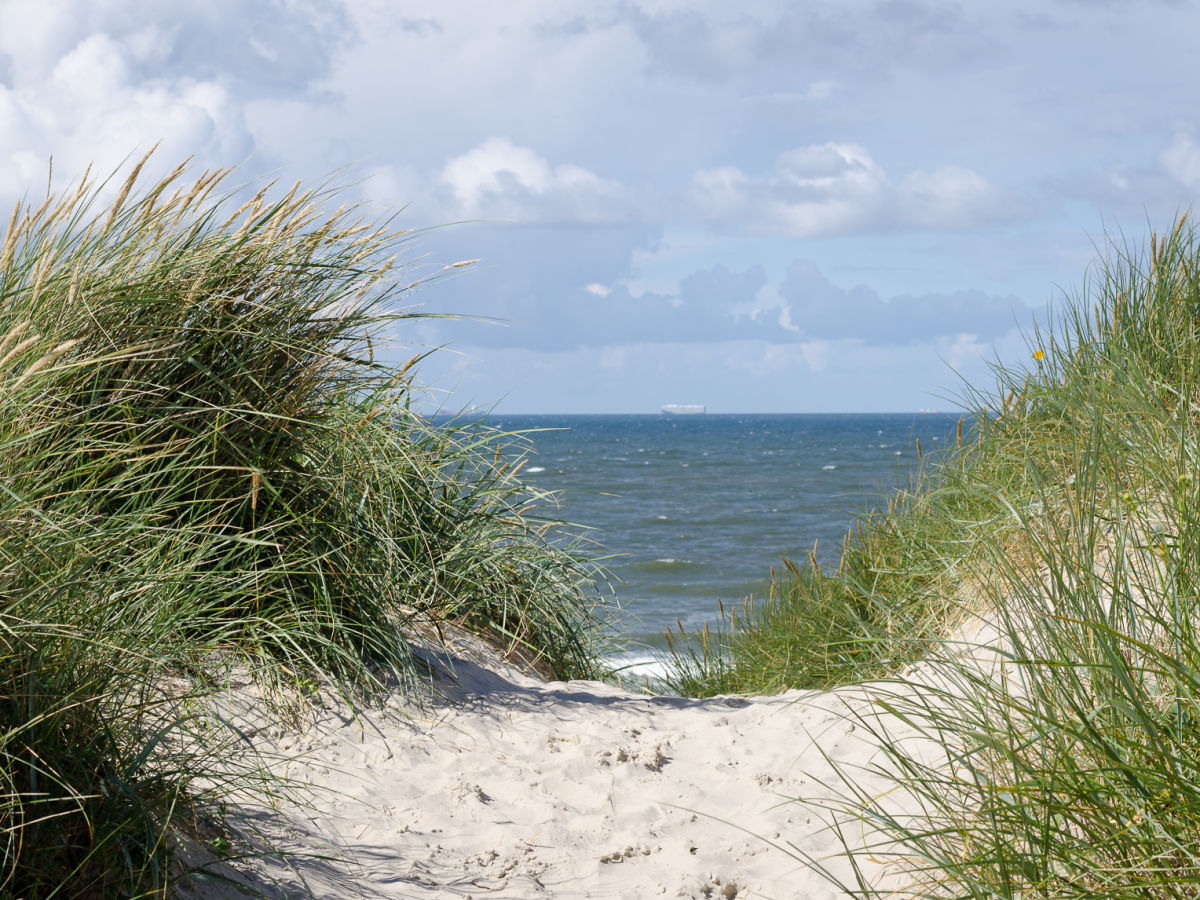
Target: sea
{"x": 689, "y": 510}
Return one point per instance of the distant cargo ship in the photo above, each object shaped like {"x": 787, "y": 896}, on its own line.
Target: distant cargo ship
{"x": 683, "y": 409}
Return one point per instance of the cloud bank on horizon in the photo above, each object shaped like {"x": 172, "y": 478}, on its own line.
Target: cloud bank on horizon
{"x": 767, "y": 206}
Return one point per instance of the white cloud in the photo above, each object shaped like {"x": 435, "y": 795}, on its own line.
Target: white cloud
{"x": 100, "y": 81}
{"x": 85, "y": 103}
{"x": 785, "y": 319}
{"x": 499, "y": 179}
{"x": 828, "y": 188}
{"x": 710, "y": 133}
{"x": 839, "y": 188}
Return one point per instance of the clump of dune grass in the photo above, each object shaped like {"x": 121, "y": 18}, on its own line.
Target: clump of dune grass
{"x": 209, "y": 457}
{"x": 105, "y": 769}
{"x": 1069, "y": 520}
{"x": 1071, "y": 768}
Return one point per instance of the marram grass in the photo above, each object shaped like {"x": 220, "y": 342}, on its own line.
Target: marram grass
{"x": 205, "y": 455}
{"x": 1070, "y": 519}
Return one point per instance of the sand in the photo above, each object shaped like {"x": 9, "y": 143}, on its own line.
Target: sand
{"x": 508, "y": 786}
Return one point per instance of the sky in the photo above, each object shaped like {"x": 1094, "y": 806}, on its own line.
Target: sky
{"x": 762, "y": 206}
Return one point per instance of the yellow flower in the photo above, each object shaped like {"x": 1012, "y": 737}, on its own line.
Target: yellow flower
{"x": 1039, "y": 355}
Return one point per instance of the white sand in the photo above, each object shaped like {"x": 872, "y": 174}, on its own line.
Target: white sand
{"x": 508, "y": 786}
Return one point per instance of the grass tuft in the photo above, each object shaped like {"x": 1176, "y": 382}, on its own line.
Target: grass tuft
{"x": 206, "y": 459}
{"x": 1069, "y": 519}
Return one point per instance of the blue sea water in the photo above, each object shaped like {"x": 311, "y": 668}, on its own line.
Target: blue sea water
{"x": 697, "y": 508}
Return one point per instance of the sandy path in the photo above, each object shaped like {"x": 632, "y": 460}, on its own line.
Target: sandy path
{"x": 510, "y": 787}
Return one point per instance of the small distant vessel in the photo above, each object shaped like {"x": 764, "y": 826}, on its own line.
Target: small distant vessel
{"x": 683, "y": 409}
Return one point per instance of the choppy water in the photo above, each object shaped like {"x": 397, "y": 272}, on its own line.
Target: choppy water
{"x": 696, "y": 508}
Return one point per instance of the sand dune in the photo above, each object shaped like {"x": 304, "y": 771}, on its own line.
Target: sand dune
{"x": 508, "y": 786}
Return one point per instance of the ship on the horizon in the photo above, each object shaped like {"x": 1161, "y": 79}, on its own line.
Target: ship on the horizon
{"x": 683, "y": 409}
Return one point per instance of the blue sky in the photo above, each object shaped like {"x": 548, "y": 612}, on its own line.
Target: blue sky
{"x": 761, "y": 206}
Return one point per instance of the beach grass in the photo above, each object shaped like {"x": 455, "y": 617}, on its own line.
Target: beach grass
{"x": 889, "y": 600}
{"x": 210, "y": 459}
{"x": 1069, "y": 522}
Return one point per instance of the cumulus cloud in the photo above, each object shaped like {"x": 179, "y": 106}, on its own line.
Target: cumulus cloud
{"x": 838, "y": 188}
{"x": 100, "y": 80}
{"x": 602, "y": 129}
{"x": 89, "y": 110}
{"x": 499, "y": 179}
